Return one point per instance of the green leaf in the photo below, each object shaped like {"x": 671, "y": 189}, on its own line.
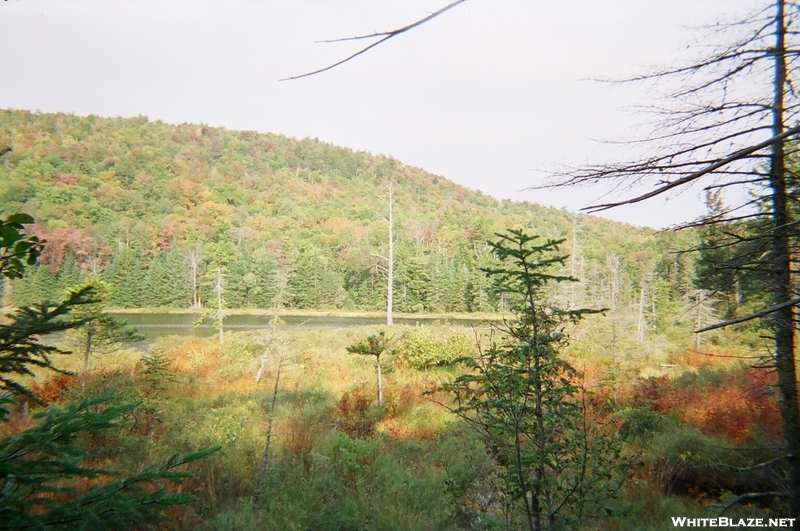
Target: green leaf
{"x": 21, "y": 218}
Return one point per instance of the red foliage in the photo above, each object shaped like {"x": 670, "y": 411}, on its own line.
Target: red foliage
{"x": 169, "y": 232}
{"x": 104, "y": 191}
{"x": 54, "y": 389}
{"x": 738, "y": 407}
{"x": 66, "y": 178}
{"x": 300, "y": 436}
{"x": 649, "y": 391}
{"x": 60, "y": 241}
{"x": 695, "y": 359}
{"x": 351, "y": 414}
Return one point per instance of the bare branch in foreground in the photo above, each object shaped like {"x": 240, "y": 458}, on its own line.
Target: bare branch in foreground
{"x": 752, "y": 316}
{"x": 758, "y": 466}
{"x": 384, "y": 36}
{"x": 700, "y": 173}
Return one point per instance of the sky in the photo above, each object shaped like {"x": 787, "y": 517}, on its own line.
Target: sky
{"x": 493, "y": 94}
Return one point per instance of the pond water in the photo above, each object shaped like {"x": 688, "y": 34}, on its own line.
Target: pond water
{"x": 155, "y": 325}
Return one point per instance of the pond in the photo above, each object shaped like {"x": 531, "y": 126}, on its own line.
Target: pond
{"x": 155, "y": 325}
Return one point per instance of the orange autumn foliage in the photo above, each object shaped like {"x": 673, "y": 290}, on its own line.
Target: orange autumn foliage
{"x": 53, "y": 390}
{"x": 737, "y": 406}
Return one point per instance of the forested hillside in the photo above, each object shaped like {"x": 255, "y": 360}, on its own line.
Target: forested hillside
{"x": 156, "y": 208}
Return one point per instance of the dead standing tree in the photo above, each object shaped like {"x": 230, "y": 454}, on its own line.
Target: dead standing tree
{"x": 729, "y": 126}
{"x": 389, "y": 269}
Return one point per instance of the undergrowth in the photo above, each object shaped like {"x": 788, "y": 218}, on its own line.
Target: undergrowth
{"x": 338, "y": 462}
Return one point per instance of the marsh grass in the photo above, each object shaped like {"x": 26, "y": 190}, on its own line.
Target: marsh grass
{"x": 338, "y": 462}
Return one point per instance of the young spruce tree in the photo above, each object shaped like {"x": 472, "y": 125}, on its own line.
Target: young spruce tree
{"x": 555, "y": 465}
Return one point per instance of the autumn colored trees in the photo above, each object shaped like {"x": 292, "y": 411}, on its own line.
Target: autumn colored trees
{"x": 43, "y": 466}
{"x": 152, "y": 208}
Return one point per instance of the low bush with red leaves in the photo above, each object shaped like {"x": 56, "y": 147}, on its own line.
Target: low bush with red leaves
{"x": 737, "y": 404}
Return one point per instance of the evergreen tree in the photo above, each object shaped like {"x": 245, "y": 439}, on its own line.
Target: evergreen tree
{"x": 527, "y": 402}
{"x": 375, "y": 345}
{"x": 157, "y": 292}
{"x": 717, "y": 266}
{"x": 70, "y": 273}
{"x": 45, "y": 284}
{"x": 314, "y": 283}
{"x": 239, "y": 283}
{"x": 127, "y": 278}
{"x": 263, "y": 271}
{"x": 477, "y": 284}
{"x": 179, "y": 288}
{"x": 20, "y": 290}
{"x": 414, "y": 280}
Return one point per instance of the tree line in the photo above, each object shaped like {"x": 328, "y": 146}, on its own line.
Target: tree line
{"x": 184, "y": 277}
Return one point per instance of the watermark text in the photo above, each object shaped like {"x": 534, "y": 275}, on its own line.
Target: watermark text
{"x": 723, "y": 521}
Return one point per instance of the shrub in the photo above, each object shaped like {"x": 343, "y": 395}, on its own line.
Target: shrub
{"x": 54, "y": 389}
{"x": 239, "y": 346}
{"x": 420, "y": 350}
{"x": 641, "y": 423}
{"x": 737, "y": 404}
{"x": 354, "y": 415}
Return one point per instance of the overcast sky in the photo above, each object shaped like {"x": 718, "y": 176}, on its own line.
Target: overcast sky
{"x": 492, "y": 94}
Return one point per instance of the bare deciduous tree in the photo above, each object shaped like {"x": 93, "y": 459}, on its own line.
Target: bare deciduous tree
{"x": 194, "y": 256}
{"x": 389, "y": 269}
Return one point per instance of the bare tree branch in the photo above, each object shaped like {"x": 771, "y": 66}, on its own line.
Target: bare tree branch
{"x": 758, "y": 466}
{"x": 742, "y": 153}
{"x": 383, "y": 37}
{"x": 750, "y": 317}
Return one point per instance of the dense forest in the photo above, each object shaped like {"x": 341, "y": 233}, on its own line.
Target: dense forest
{"x": 154, "y": 209}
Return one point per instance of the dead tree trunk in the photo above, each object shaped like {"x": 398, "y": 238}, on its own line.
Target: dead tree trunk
{"x": 713, "y": 132}
{"x": 389, "y": 269}
{"x": 783, "y": 319}
{"x": 270, "y": 421}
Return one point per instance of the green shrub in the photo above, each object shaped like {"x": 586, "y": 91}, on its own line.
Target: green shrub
{"x": 705, "y": 377}
{"x": 239, "y": 346}
{"x": 421, "y": 350}
{"x": 642, "y": 423}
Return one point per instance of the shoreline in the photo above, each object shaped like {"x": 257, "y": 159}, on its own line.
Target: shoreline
{"x": 316, "y": 313}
